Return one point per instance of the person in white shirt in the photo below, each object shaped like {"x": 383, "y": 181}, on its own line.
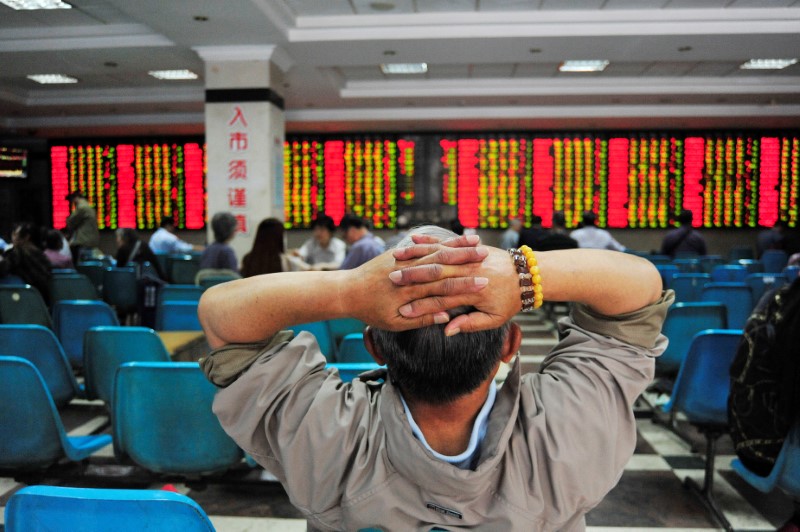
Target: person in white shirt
{"x": 510, "y": 238}
{"x": 322, "y": 251}
{"x": 591, "y": 236}
{"x": 164, "y": 240}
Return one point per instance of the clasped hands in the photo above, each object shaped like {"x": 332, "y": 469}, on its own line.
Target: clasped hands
{"x": 415, "y": 286}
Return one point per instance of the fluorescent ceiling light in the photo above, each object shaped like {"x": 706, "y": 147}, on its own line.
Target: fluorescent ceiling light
{"x": 593, "y": 65}
{"x": 404, "y": 68}
{"x": 36, "y": 4}
{"x": 767, "y": 64}
{"x": 46, "y": 79}
{"x": 172, "y": 75}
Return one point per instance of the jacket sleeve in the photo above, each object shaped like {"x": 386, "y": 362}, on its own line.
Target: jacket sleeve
{"x": 579, "y": 423}
{"x": 300, "y": 421}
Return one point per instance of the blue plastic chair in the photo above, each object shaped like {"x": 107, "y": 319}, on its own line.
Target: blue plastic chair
{"x": 760, "y": 283}
{"x": 350, "y": 370}
{"x": 176, "y": 292}
{"x": 23, "y": 304}
{"x": 729, "y": 273}
{"x": 689, "y": 286}
{"x": 121, "y": 289}
{"x": 93, "y": 269}
{"x": 71, "y": 319}
{"x": 785, "y": 474}
{"x": 667, "y": 271}
{"x": 688, "y": 265}
{"x": 774, "y": 260}
{"x": 791, "y": 273}
{"x": 38, "y": 345}
{"x": 751, "y": 265}
{"x": 107, "y": 348}
{"x": 352, "y": 349}
{"x": 99, "y": 510}
{"x": 701, "y": 394}
{"x": 659, "y": 259}
{"x": 182, "y": 269}
{"x": 737, "y": 298}
{"x": 213, "y": 280}
{"x": 683, "y": 321}
{"x": 322, "y": 333}
{"x": 72, "y": 286}
{"x": 341, "y": 327}
{"x": 33, "y": 435}
{"x": 162, "y": 419}
{"x": 707, "y": 262}
{"x": 178, "y": 316}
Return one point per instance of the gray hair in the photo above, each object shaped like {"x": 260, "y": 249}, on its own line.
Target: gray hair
{"x": 223, "y": 224}
{"x": 431, "y": 367}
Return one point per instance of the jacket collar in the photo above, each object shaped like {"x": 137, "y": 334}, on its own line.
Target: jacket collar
{"x": 409, "y": 457}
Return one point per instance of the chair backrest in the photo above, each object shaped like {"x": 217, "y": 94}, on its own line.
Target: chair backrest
{"x": 683, "y": 321}
{"x": 38, "y": 345}
{"x": 667, "y": 271}
{"x": 688, "y": 265}
{"x": 208, "y": 281}
{"x": 751, "y": 265}
{"x": 774, "y": 260}
{"x": 350, "y": 370}
{"x": 352, "y": 349}
{"x": 707, "y": 262}
{"x": 99, "y": 510}
{"x": 791, "y": 273}
{"x": 182, "y": 269}
{"x": 179, "y": 292}
{"x": 178, "y": 316}
{"x": 29, "y": 420}
{"x": 71, "y": 319}
{"x": 760, "y": 283}
{"x": 162, "y": 419}
{"x": 737, "y": 298}
{"x": 23, "y": 304}
{"x": 72, "y": 286}
{"x": 93, "y": 269}
{"x": 703, "y": 384}
{"x": 106, "y": 348}
{"x": 689, "y": 286}
{"x": 729, "y": 273}
{"x": 341, "y": 327}
{"x": 788, "y": 462}
{"x": 659, "y": 259}
{"x": 321, "y": 331}
{"x": 120, "y": 288}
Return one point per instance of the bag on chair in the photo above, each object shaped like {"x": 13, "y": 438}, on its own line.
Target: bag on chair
{"x": 765, "y": 379}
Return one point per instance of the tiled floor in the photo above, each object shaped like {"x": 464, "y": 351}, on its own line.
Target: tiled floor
{"x": 649, "y": 495}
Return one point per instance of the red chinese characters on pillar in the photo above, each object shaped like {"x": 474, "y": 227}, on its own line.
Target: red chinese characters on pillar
{"x": 237, "y": 169}
{"x": 237, "y": 141}
{"x": 237, "y": 197}
{"x": 241, "y": 223}
{"x": 238, "y": 116}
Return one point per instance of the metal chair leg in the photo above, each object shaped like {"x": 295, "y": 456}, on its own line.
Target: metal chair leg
{"x": 706, "y": 491}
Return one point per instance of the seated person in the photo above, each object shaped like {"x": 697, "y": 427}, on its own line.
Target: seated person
{"x": 268, "y": 252}
{"x": 683, "y": 240}
{"x": 25, "y": 260}
{"x": 53, "y": 246}
{"x": 363, "y": 244}
{"x": 131, "y": 249}
{"x": 591, "y": 236}
{"x": 438, "y": 444}
{"x": 164, "y": 240}
{"x": 322, "y": 251}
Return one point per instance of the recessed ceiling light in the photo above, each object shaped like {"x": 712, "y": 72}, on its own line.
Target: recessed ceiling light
{"x": 389, "y": 52}
{"x": 767, "y": 64}
{"x": 200, "y": 18}
{"x": 36, "y": 4}
{"x": 404, "y": 68}
{"x": 535, "y": 50}
{"x": 685, "y": 49}
{"x": 592, "y": 65}
{"x": 46, "y": 79}
{"x": 173, "y": 75}
{"x": 111, "y": 64}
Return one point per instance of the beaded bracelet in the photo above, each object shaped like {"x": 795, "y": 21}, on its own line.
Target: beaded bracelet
{"x": 530, "y": 281}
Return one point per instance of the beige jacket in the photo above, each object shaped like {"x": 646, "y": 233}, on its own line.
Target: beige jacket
{"x": 82, "y": 223}
{"x": 556, "y": 443}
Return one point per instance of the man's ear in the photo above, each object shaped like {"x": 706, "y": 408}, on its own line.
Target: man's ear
{"x": 369, "y": 343}
{"x": 512, "y": 342}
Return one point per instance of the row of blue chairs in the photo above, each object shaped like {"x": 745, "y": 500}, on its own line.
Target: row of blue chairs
{"x": 700, "y": 393}
{"x": 771, "y": 261}
{"x": 724, "y": 273}
{"x": 340, "y": 340}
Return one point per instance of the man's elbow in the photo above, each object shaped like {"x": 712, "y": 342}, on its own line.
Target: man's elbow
{"x": 207, "y": 310}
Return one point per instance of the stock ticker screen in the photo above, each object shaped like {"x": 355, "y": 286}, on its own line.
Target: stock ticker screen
{"x": 630, "y": 180}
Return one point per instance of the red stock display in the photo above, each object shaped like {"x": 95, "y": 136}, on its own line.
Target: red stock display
{"x": 132, "y": 184}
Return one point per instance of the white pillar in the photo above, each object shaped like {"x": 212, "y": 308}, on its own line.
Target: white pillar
{"x": 244, "y": 135}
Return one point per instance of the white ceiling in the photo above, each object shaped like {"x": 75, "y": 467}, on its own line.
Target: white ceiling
{"x": 493, "y": 64}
